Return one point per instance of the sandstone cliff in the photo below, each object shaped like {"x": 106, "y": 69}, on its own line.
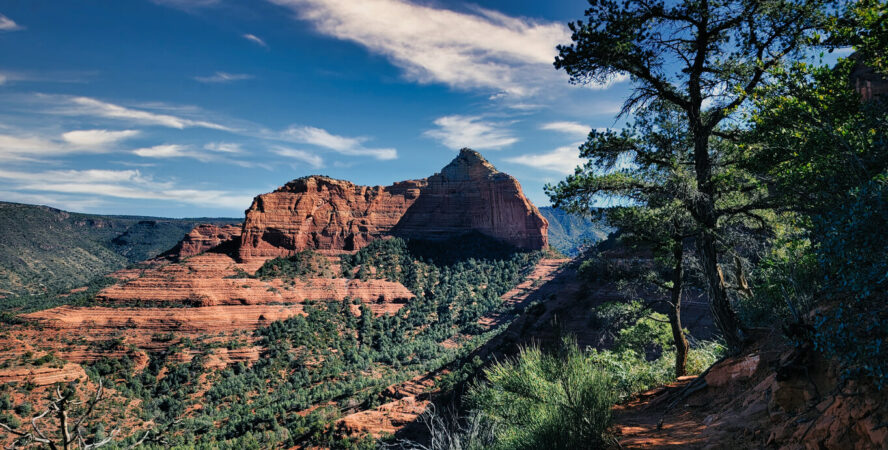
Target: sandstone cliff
{"x": 202, "y": 238}
{"x": 322, "y": 213}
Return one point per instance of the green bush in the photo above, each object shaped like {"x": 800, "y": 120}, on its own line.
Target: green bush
{"x": 852, "y": 248}
{"x": 5, "y": 402}
{"x": 546, "y": 400}
{"x": 301, "y": 265}
{"x": 650, "y": 334}
{"x": 24, "y": 409}
{"x": 787, "y": 275}
{"x": 10, "y": 420}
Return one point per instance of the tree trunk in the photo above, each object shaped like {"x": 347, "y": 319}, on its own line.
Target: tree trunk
{"x": 722, "y": 313}
{"x": 681, "y": 343}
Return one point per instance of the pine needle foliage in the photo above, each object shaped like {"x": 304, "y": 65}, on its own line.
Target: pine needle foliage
{"x": 556, "y": 400}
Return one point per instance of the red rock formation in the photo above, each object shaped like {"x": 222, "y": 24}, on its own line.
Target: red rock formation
{"x": 322, "y": 213}
{"x": 470, "y": 194}
{"x": 202, "y": 238}
{"x": 42, "y": 376}
{"x": 99, "y": 320}
{"x": 212, "y": 279}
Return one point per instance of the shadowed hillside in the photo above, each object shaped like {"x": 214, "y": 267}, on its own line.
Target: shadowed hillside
{"x": 45, "y": 249}
{"x": 570, "y": 232}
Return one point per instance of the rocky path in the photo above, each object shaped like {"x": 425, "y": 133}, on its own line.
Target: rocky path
{"x": 771, "y": 396}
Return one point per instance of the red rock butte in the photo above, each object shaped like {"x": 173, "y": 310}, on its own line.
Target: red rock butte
{"x": 322, "y": 213}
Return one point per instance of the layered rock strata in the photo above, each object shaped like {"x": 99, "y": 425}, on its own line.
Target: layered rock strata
{"x": 215, "y": 279}
{"x": 322, "y": 213}
{"x": 203, "y": 238}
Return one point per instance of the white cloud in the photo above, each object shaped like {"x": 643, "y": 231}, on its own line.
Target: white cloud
{"x": 27, "y": 148}
{"x": 484, "y": 49}
{"x": 311, "y": 159}
{"x": 96, "y": 138}
{"x": 91, "y": 107}
{"x": 353, "y": 146}
{"x": 47, "y": 76}
{"x": 471, "y": 131}
{"x": 224, "y": 77}
{"x": 570, "y": 128}
{"x": 215, "y": 152}
{"x": 224, "y": 147}
{"x": 7, "y": 24}
{"x": 210, "y": 152}
{"x": 36, "y": 147}
{"x": 167, "y": 151}
{"x": 255, "y": 39}
{"x": 562, "y": 160}
{"x": 126, "y": 184}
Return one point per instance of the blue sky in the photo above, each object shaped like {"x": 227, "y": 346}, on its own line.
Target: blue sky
{"x": 191, "y": 107}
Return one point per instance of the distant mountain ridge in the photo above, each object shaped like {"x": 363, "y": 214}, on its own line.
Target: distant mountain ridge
{"x": 568, "y": 233}
{"x": 43, "y": 249}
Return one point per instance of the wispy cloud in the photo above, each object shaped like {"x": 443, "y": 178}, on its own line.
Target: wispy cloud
{"x": 309, "y": 158}
{"x": 353, "y": 146}
{"x": 86, "y": 106}
{"x": 36, "y": 147}
{"x": 212, "y": 152}
{"x": 482, "y": 49}
{"x": 224, "y": 77}
{"x": 254, "y": 39}
{"x": 97, "y": 138}
{"x": 47, "y": 76}
{"x": 7, "y": 24}
{"x": 126, "y": 184}
{"x": 570, "y": 128}
{"x": 224, "y": 147}
{"x": 168, "y": 151}
{"x": 562, "y": 160}
{"x": 458, "y": 131}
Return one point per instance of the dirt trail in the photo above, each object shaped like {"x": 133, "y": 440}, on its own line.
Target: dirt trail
{"x": 773, "y": 395}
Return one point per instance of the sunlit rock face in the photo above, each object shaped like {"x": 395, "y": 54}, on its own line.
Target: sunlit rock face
{"x": 322, "y": 213}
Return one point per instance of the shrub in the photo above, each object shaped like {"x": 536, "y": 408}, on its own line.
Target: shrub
{"x": 852, "y": 248}
{"x": 302, "y": 265}
{"x": 702, "y": 355}
{"x": 24, "y": 409}
{"x": 10, "y": 420}
{"x": 5, "y": 402}
{"x": 788, "y": 275}
{"x": 546, "y": 400}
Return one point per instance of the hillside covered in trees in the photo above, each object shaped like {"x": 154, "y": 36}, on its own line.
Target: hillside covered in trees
{"x": 570, "y": 233}
{"x": 43, "y": 249}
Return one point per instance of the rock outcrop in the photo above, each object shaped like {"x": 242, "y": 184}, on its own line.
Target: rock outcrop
{"x": 203, "y": 238}
{"x": 322, "y": 213}
{"x": 214, "y": 279}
